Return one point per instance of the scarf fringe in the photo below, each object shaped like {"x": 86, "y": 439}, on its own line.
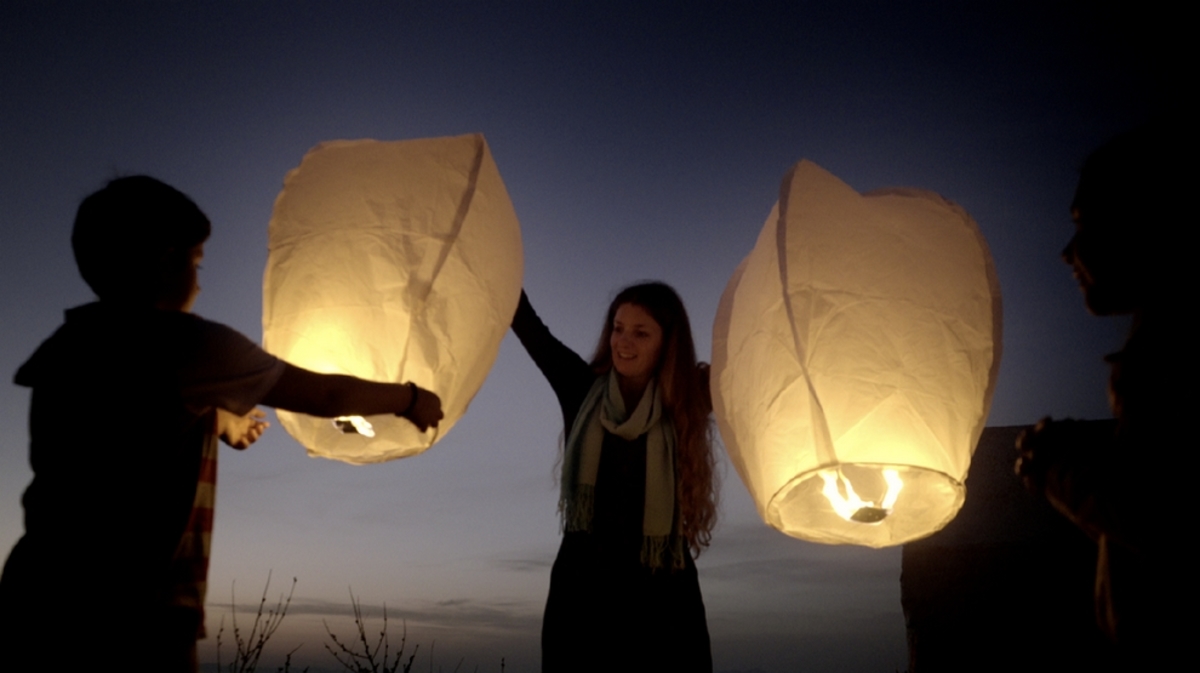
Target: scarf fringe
{"x": 659, "y": 548}
{"x": 603, "y": 412}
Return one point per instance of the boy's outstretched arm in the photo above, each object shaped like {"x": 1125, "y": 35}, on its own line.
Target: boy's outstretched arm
{"x": 331, "y": 395}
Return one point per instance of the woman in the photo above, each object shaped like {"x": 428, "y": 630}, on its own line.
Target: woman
{"x": 637, "y": 496}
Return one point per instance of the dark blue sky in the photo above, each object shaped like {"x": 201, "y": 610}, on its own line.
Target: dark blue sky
{"x": 637, "y": 140}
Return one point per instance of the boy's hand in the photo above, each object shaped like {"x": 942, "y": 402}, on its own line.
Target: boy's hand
{"x": 1038, "y": 449}
{"x": 426, "y": 410}
{"x": 241, "y": 431}
{"x": 1049, "y": 451}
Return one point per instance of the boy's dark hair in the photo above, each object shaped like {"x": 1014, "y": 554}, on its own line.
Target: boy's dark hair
{"x": 1135, "y": 182}
{"x": 124, "y": 231}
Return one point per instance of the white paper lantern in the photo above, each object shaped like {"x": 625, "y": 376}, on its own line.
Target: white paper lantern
{"x": 855, "y": 353}
{"x": 391, "y": 261}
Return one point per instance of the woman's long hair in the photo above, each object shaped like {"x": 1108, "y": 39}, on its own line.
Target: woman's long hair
{"x": 685, "y": 394}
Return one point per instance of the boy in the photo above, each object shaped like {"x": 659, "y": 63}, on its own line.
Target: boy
{"x": 129, "y": 396}
{"x": 1126, "y": 484}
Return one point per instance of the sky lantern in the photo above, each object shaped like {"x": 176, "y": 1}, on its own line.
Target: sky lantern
{"x": 855, "y": 353}
{"x": 391, "y": 261}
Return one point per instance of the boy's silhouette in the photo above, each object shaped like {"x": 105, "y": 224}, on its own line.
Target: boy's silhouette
{"x": 129, "y": 397}
{"x": 1125, "y": 484}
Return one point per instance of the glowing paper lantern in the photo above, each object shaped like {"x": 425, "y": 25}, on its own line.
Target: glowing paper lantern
{"x": 854, "y": 357}
{"x": 391, "y": 261}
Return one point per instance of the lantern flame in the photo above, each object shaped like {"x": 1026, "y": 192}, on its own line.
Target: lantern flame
{"x": 354, "y": 424}
{"x": 853, "y": 508}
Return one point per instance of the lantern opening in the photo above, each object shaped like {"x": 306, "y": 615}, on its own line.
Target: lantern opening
{"x": 352, "y": 425}
{"x": 853, "y": 508}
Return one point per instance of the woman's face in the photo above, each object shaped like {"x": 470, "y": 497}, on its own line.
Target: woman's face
{"x": 636, "y": 343}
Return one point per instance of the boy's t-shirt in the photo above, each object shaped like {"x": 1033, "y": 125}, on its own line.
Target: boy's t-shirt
{"x": 123, "y": 449}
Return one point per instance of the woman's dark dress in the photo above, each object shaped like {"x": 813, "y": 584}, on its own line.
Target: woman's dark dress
{"x": 606, "y": 611}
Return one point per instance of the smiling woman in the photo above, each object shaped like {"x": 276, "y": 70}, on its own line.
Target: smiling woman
{"x": 637, "y": 491}
{"x": 635, "y": 343}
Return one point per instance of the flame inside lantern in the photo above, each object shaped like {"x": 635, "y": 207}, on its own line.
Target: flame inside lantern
{"x": 354, "y": 424}
{"x": 847, "y": 503}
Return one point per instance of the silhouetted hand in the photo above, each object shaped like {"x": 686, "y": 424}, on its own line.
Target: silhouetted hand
{"x": 426, "y": 410}
{"x": 1048, "y": 447}
{"x": 241, "y": 431}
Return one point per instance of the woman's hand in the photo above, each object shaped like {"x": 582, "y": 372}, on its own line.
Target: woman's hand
{"x": 241, "y": 431}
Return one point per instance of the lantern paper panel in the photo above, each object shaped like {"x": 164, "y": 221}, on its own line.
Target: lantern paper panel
{"x": 855, "y": 353}
{"x": 391, "y": 261}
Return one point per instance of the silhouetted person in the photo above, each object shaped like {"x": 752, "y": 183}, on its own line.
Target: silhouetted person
{"x": 129, "y": 397}
{"x": 1129, "y": 484}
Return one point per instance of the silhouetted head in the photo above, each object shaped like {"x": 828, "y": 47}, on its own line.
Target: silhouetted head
{"x": 1127, "y": 209}
{"x": 139, "y": 240}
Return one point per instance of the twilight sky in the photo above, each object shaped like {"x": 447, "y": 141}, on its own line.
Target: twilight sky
{"x": 637, "y": 140}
